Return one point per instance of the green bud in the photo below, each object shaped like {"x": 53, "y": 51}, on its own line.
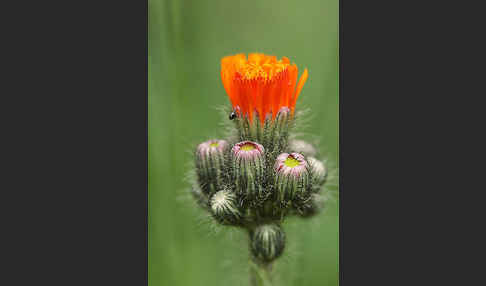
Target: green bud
{"x": 209, "y": 161}
{"x": 267, "y": 242}
{"x": 292, "y": 176}
{"x": 224, "y": 207}
{"x": 319, "y": 172}
{"x": 272, "y": 131}
{"x": 310, "y": 206}
{"x": 248, "y": 168}
{"x": 200, "y": 198}
{"x": 302, "y": 147}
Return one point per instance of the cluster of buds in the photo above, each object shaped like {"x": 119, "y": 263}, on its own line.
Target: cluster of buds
{"x": 258, "y": 176}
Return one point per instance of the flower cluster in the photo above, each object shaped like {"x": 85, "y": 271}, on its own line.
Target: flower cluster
{"x": 258, "y": 176}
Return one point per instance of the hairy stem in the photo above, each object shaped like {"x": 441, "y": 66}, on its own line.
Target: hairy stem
{"x": 260, "y": 274}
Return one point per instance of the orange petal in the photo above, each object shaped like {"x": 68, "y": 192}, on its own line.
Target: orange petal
{"x": 300, "y": 85}
{"x": 290, "y": 87}
{"x": 256, "y": 58}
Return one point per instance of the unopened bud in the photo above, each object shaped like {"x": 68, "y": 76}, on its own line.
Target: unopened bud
{"x": 224, "y": 207}
{"x": 302, "y": 147}
{"x": 248, "y": 166}
{"x": 199, "y": 196}
{"x": 284, "y": 111}
{"x": 311, "y": 206}
{"x": 282, "y": 125}
{"x": 267, "y": 242}
{"x": 292, "y": 176}
{"x": 271, "y": 129}
{"x": 319, "y": 171}
{"x": 209, "y": 165}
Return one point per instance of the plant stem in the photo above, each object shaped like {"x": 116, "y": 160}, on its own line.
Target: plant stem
{"x": 260, "y": 274}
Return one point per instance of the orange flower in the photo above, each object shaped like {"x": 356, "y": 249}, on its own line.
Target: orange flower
{"x": 262, "y": 83}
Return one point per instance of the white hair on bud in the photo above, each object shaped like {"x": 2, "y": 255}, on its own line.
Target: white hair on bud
{"x": 223, "y": 207}
{"x": 318, "y": 167}
{"x": 303, "y": 147}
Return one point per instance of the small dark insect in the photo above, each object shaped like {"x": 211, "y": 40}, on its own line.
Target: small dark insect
{"x": 232, "y": 115}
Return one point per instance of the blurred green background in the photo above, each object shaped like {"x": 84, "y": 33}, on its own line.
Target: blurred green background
{"x": 187, "y": 39}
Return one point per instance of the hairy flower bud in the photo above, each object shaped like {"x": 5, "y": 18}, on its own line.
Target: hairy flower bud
{"x": 209, "y": 165}
{"x": 271, "y": 131}
{"x": 292, "y": 176}
{"x": 199, "y": 196}
{"x": 302, "y": 147}
{"x": 224, "y": 207}
{"x": 283, "y": 115}
{"x": 267, "y": 242}
{"x": 310, "y": 206}
{"x": 280, "y": 131}
{"x": 319, "y": 171}
{"x": 248, "y": 167}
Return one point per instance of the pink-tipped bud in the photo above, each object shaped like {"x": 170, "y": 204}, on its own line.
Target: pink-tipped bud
{"x": 209, "y": 161}
{"x": 300, "y": 146}
{"x": 247, "y": 150}
{"x": 292, "y": 176}
{"x": 293, "y": 164}
{"x": 248, "y": 165}
{"x": 282, "y": 119}
{"x": 284, "y": 110}
{"x": 211, "y": 147}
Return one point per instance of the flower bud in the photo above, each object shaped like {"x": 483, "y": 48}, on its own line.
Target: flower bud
{"x": 283, "y": 115}
{"x": 282, "y": 127}
{"x": 209, "y": 165}
{"x": 310, "y": 206}
{"x": 302, "y": 147}
{"x": 267, "y": 242}
{"x": 224, "y": 207}
{"x": 200, "y": 198}
{"x": 319, "y": 171}
{"x": 283, "y": 112}
{"x": 248, "y": 167}
{"x": 269, "y": 129}
{"x": 292, "y": 176}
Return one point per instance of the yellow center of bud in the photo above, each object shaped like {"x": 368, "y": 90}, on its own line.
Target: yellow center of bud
{"x": 247, "y": 147}
{"x": 291, "y": 162}
{"x": 215, "y": 144}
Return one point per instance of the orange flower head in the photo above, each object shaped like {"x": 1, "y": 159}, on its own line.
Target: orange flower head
{"x": 261, "y": 84}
